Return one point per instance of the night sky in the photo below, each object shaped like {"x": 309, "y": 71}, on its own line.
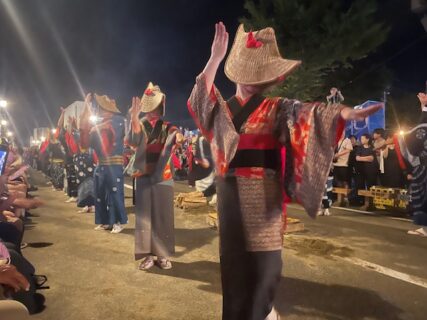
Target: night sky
{"x": 51, "y": 51}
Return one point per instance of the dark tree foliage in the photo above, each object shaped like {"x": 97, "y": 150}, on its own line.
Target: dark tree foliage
{"x": 326, "y": 35}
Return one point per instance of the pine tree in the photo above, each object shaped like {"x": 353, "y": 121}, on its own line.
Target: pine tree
{"x": 325, "y": 35}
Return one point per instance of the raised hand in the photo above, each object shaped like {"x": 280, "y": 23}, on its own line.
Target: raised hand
{"x": 85, "y": 115}
{"x": 220, "y": 42}
{"x": 423, "y": 99}
{"x": 135, "y": 108}
{"x": 218, "y": 52}
{"x": 351, "y": 114}
{"x": 134, "y": 115}
{"x": 88, "y": 99}
{"x": 61, "y": 118}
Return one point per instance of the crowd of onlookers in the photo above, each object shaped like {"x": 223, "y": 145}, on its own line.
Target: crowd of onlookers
{"x": 362, "y": 163}
{"x": 18, "y": 280}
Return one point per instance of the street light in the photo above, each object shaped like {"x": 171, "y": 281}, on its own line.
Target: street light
{"x": 9, "y": 133}
{"x": 3, "y": 123}
{"x": 53, "y": 131}
{"x": 3, "y": 103}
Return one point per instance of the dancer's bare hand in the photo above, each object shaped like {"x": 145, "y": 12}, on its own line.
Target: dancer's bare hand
{"x": 423, "y": 98}
{"x": 135, "y": 108}
{"x": 220, "y": 43}
{"x": 88, "y": 99}
{"x": 351, "y": 114}
{"x": 85, "y": 115}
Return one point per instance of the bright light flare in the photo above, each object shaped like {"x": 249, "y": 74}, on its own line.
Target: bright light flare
{"x": 54, "y": 131}
{"x": 3, "y": 103}
{"x": 401, "y": 132}
{"x": 3, "y": 123}
{"x": 94, "y": 119}
{"x": 9, "y": 134}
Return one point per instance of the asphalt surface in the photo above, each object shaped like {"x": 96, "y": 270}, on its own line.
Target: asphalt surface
{"x": 346, "y": 266}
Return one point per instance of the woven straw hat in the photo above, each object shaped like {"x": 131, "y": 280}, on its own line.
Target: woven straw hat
{"x": 255, "y": 59}
{"x": 106, "y": 103}
{"x": 152, "y": 98}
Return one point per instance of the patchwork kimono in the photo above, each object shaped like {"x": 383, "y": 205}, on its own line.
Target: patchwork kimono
{"x": 154, "y": 224}
{"x": 411, "y": 150}
{"x": 56, "y": 156}
{"x": 266, "y": 150}
{"x": 108, "y": 175}
{"x": 71, "y": 149}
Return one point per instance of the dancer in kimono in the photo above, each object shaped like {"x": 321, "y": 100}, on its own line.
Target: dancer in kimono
{"x": 84, "y": 163}
{"x": 265, "y": 150}
{"x": 153, "y": 140}
{"x": 65, "y": 135}
{"x": 411, "y": 149}
{"x": 80, "y": 171}
{"x": 106, "y": 139}
{"x": 54, "y": 151}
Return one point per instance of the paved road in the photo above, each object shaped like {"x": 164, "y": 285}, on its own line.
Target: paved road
{"x": 326, "y": 273}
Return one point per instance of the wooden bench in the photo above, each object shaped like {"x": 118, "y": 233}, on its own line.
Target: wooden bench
{"x": 344, "y": 191}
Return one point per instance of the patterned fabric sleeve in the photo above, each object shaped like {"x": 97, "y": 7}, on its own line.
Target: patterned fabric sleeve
{"x": 212, "y": 117}
{"x": 164, "y": 160}
{"x": 310, "y": 131}
{"x": 139, "y": 142}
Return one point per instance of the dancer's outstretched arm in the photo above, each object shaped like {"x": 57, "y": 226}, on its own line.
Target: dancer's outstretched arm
{"x": 218, "y": 52}
{"x": 358, "y": 115}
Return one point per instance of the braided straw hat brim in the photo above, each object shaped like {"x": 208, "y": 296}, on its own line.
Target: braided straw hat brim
{"x": 150, "y": 103}
{"x": 256, "y": 66}
{"x": 106, "y": 103}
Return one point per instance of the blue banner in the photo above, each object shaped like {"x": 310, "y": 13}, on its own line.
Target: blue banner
{"x": 377, "y": 120}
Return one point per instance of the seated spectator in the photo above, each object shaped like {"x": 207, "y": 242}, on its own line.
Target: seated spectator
{"x": 14, "y": 202}
{"x": 11, "y": 280}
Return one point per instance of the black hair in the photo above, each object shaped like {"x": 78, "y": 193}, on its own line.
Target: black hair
{"x": 380, "y": 131}
{"x": 366, "y": 135}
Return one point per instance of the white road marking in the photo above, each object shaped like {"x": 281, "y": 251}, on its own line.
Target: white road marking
{"x": 354, "y": 210}
{"x": 128, "y": 186}
{"x": 386, "y": 271}
{"x": 401, "y": 219}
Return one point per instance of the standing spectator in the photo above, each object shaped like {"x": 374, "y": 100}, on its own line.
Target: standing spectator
{"x": 379, "y": 147}
{"x": 393, "y": 175}
{"x": 367, "y": 165}
{"x": 352, "y": 169}
{"x": 340, "y": 163}
{"x": 335, "y": 96}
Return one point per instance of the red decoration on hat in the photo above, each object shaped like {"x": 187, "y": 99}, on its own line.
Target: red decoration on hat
{"x": 148, "y": 92}
{"x": 252, "y": 42}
